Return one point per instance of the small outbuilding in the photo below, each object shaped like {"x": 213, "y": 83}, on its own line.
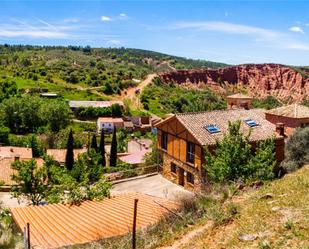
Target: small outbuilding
{"x": 291, "y": 116}
{"x": 239, "y": 100}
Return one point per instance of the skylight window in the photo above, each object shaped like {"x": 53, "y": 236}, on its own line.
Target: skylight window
{"x": 251, "y": 122}
{"x": 212, "y": 128}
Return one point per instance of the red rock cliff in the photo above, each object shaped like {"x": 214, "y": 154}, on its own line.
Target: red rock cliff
{"x": 261, "y": 80}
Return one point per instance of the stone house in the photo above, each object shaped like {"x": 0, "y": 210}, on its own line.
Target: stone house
{"x": 290, "y": 116}
{"x": 182, "y": 139}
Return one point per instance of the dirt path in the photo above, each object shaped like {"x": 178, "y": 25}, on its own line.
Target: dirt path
{"x": 131, "y": 93}
{"x": 187, "y": 238}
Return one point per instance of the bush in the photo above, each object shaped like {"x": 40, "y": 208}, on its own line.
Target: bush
{"x": 297, "y": 150}
{"x": 233, "y": 158}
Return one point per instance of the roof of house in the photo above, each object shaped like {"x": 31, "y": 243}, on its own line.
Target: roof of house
{"x": 128, "y": 124}
{"x": 110, "y": 120}
{"x": 60, "y": 154}
{"x": 291, "y": 111}
{"x": 6, "y": 171}
{"x": 77, "y": 104}
{"x": 57, "y": 225}
{"x": 135, "y": 157}
{"x": 12, "y": 151}
{"x": 195, "y": 123}
{"x": 239, "y": 96}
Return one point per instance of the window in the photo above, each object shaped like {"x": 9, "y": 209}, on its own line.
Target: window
{"x": 190, "y": 152}
{"x": 212, "y": 128}
{"x": 190, "y": 177}
{"x": 173, "y": 168}
{"x": 251, "y": 122}
{"x": 164, "y": 140}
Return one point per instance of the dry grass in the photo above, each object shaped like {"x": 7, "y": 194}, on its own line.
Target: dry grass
{"x": 279, "y": 220}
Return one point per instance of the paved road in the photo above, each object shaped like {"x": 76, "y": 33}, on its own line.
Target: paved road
{"x": 6, "y": 200}
{"x": 152, "y": 185}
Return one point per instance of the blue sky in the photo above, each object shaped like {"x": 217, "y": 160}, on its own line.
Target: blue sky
{"x": 233, "y": 32}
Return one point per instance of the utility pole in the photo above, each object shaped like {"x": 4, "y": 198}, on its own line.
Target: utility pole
{"x": 134, "y": 225}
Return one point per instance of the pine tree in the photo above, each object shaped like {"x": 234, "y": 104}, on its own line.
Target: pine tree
{"x": 102, "y": 148}
{"x": 94, "y": 144}
{"x": 69, "y": 158}
{"x": 113, "y": 154}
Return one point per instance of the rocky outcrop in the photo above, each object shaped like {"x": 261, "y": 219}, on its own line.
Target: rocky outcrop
{"x": 260, "y": 80}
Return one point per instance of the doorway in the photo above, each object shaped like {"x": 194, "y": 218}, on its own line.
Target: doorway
{"x": 181, "y": 177}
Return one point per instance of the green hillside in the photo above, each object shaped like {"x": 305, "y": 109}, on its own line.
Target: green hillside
{"x": 74, "y": 71}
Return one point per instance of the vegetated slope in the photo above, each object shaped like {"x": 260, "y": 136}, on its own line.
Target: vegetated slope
{"x": 64, "y": 69}
{"x": 276, "y": 216}
{"x": 284, "y": 82}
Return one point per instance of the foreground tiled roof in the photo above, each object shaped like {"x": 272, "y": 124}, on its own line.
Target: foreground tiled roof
{"x": 291, "y": 111}
{"x": 239, "y": 96}
{"x": 195, "y": 123}
{"x": 76, "y": 104}
{"x": 59, "y": 154}
{"x": 57, "y": 225}
{"x": 6, "y": 171}
{"x": 12, "y": 151}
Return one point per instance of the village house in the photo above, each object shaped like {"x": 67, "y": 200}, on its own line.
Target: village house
{"x": 15, "y": 152}
{"x": 290, "y": 116}
{"x": 60, "y": 154}
{"x": 182, "y": 139}
{"x": 108, "y": 124}
{"x": 239, "y": 100}
{"x": 95, "y": 104}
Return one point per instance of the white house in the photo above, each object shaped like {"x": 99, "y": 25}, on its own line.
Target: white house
{"x": 108, "y": 124}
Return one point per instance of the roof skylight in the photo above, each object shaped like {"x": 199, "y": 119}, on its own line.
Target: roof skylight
{"x": 212, "y": 128}
{"x": 251, "y": 122}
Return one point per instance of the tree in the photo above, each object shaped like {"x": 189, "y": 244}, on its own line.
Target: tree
{"x": 113, "y": 154}
{"x": 94, "y": 144}
{"x": 116, "y": 110}
{"x": 233, "y": 158}
{"x": 30, "y": 181}
{"x": 102, "y": 148}
{"x": 69, "y": 158}
{"x": 35, "y": 146}
{"x": 4, "y": 134}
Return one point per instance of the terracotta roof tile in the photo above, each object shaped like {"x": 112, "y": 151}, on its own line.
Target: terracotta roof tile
{"x": 12, "y": 151}
{"x": 110, "y": 120}
{"x": 291, "y": 111}
{"x": 59, "y": 154}
{"x": 6, "y": 171}
{"x": 58, "y": 225}
{"x": 195, "y": 123}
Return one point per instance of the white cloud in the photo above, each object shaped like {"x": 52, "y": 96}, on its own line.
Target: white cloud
{"x": 267, "y": 37}
{"x": 105, "y": 19}
{"x": 227, "y": 28}
{"x": 296, "y": 29}
{"x": 37, "y": 29}
{"x": 113, "y": 42}
{"x": 123, "y": 15}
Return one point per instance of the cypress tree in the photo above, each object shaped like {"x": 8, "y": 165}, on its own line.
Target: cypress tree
{"x": 94, "y": 144}
{"x": 102, "y": 148}
{"x": 113, "y": 154}
{"x": 69, "y": 158}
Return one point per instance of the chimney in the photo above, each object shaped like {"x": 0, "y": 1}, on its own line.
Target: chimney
{"x": 16, "y": 157}
{"x": 280, "y": 129}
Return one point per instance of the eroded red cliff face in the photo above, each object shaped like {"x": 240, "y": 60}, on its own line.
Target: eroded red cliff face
{"x": 260, "y": 79}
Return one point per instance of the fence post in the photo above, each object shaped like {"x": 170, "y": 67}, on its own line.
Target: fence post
{"x": 134, "y": 225}
{"x": 28, "y": 236}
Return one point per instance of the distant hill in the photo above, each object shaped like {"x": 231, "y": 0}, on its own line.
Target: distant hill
{"x": 289, "y": 84}
{"x": 64, "y": 69}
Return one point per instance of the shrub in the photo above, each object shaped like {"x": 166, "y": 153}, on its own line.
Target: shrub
{"x": 297, "y": 150}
